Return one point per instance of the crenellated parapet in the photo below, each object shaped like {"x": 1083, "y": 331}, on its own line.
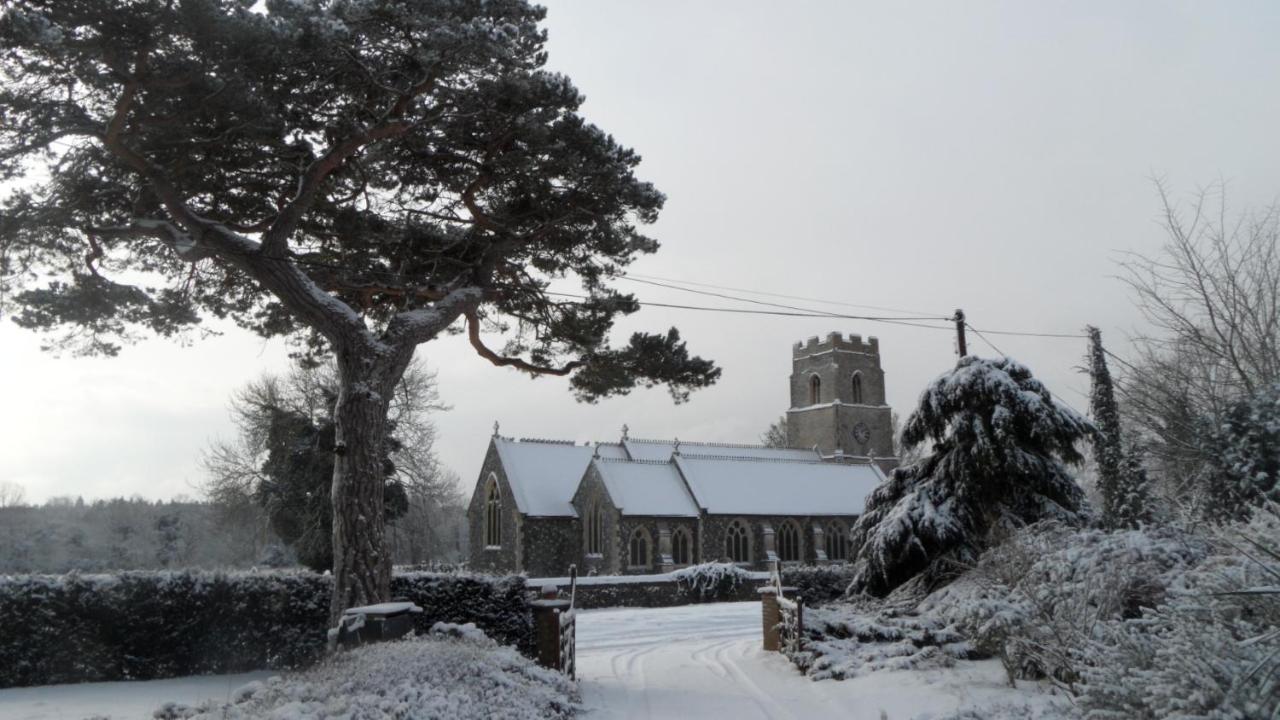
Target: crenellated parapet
{"x": 835, "y": 341}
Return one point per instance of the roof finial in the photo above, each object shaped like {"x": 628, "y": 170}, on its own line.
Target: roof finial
{"x": 676, "y": 449}
{"x": 625, "y": 431}
{"x": 495, "y": 428}
{"x": 596, "y": 453}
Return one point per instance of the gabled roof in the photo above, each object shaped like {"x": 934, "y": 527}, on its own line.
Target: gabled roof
{"x": 646, "y": 488}
{"x": 544, "y": 474}
{"x": 649, "y": 477}
{"x": 728, "y": 486}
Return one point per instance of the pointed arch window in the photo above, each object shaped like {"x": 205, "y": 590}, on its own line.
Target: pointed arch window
{"x": 837, "y": 539}
{"x": 737, "y": 542}
{"x": 638, "y": 549}
{"x": 815, "y": 389}
{"x": 595, "y": 530}
{"x": 857, "y": 388}
{"x": 681, "y": 546}
{"x": 789, "y": 542}
{"x": 492, "y": 513}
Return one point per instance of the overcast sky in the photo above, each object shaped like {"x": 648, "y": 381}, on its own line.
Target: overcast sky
{"x": 991, "y": 156}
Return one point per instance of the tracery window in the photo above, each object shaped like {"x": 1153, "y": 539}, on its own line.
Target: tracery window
{"x": 815, "y": 390}
{"x": 837, "y": 539}
{"x": 737, "y": 542}
{"x": 493, "y": 514}
{"x": 639, "y": 549}
{"x": 595, "y": 530}
{"x": 789, "y": 542}
{"x": 857, "y": 387}
{"x": 680, "y": 547}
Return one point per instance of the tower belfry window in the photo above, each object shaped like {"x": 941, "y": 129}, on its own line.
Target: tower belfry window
{"x": 815, "y": 390}
{"x": 857, "y": 388}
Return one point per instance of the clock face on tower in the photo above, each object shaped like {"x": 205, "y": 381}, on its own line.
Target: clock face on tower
{"x": 861, "y": 433}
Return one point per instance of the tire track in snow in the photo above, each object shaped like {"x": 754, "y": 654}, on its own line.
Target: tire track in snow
{"x": 771, "y": 708}
{"x": 699, "y": 656}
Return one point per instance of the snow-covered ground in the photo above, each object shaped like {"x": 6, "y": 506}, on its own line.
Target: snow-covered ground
{"x": 117, "y": 700}
{"x": 694, "y": 661}
{"x": 706, "y": 661}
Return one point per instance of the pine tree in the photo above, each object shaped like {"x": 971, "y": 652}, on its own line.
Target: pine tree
{"x": 1121, "y": 477}
{"x": 1000, "y": 442}
{"x": 359, "y": 176}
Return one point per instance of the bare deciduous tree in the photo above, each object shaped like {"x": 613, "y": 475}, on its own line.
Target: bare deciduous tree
{"x": 12, "y": 494}
{"x": 1212, "y": 296}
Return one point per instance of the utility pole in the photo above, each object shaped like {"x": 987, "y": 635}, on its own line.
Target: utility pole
{"x": 960, "y": 343}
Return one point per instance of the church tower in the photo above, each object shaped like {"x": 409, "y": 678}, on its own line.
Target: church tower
{"x": 837, "y": 397}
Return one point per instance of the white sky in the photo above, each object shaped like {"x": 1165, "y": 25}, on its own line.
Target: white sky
{"x": 990, "y": 156}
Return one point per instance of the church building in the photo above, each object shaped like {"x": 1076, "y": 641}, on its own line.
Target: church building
{"x": 636, "y": 506}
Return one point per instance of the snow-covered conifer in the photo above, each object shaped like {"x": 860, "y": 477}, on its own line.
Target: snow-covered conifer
{"x": 1248, "y": 456}
{"x": 1122, "y": 480}
{"x": 1000, "y": 444}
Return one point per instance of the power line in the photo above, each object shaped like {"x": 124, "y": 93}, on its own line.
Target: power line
{"x": 820, "y": 313}
{"x": 920, "y": 315}
{"x": 985, "y": 340}
{"x": 792, "y": 311}
{"x": 777, "y": 313}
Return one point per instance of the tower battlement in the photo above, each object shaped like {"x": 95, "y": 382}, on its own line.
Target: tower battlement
{"x": 836, "y": 341}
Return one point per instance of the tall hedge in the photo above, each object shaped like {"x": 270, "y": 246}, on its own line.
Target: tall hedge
{"x": 146, "y": 625}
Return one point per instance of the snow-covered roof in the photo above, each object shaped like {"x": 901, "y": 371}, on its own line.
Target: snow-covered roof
{"x": 646, "y": 488}
{"x": 644, "y": 478}
{"x": 727, "y": 486}
{"x": 543, "y": 474}
{"x": 661, "y": 450}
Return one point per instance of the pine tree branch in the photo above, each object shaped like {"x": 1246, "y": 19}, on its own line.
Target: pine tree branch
{"x": 473, "y": 334}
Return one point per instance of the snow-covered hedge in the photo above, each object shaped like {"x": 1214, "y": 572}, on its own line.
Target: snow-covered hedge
{"x": 454, "y": 672}
{"x": 711, "y": 581}
{"x": 818, "y": 584}
{"x": 144, "y": 625}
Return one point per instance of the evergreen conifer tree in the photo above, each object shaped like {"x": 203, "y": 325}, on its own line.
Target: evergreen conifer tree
{"x": 1000, "y": 442}
{"x": 1122, "y": 480}
{"x": 360, "y": 175}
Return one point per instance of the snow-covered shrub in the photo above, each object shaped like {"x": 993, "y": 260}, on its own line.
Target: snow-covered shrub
{"x": 1246, "y": 456}
{"x": 850, "y": 639}
{"x": 447, "y": 674}
{"x": 818, "y": 584}
{"x": 144, "y": 625}
{"x": 1210, "y": 650}
{"x": 1000, "y": 442}
{"x": 711, "y": 580}
{"x": 1040, "y": 599}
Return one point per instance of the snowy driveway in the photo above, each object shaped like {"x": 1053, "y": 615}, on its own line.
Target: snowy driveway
{"x": 706, "y": 661}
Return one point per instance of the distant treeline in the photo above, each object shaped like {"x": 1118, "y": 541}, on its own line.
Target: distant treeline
{"x": 70, "y": 534}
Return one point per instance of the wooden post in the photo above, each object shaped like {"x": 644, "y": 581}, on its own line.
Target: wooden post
{"x": 961, "y": 346}
{"x": 546, "y": 626}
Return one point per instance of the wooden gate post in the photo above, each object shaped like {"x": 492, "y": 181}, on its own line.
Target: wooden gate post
{"x": 546, "y": 625}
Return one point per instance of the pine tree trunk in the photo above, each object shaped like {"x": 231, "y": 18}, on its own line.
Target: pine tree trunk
{"x": 361, "y": 556}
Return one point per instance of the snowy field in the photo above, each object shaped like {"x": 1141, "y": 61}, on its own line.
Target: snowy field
{"x": 706, "y": 661}
{"x": 116, "y": 700}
